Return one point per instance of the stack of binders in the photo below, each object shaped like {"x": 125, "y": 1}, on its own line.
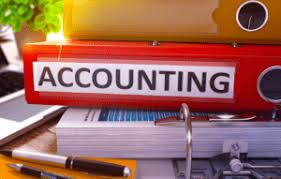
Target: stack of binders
{"x": 217, "y": 56}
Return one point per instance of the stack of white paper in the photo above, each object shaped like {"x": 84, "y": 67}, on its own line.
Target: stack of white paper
{"x": 83, "y": 131}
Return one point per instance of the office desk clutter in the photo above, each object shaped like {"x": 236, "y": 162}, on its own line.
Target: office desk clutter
{"x": 127, "y": 68}
{"x": 71, "y": 162}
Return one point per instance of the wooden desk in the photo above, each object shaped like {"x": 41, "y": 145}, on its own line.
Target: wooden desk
{"x": 41, "y": 139}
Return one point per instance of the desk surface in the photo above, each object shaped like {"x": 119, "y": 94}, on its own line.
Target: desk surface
{"x": 41, "y": 139}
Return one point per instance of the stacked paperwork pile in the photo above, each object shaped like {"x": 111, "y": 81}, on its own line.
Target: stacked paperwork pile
{"x": 124, "y": 133}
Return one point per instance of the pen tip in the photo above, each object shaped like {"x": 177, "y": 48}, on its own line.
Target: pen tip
{"x": 15, "y": 166}
{"x": 127, "y": 172}
{"x": 6, "y": 152}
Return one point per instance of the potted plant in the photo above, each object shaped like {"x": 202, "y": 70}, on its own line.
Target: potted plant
{"x": 31, "y": 20}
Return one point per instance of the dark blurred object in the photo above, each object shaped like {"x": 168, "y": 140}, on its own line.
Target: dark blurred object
{"x": 10, "y": 82}
{"x": 27, "y": 36}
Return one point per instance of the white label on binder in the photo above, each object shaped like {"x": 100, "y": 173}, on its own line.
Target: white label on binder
{"x": 196, "y": 81}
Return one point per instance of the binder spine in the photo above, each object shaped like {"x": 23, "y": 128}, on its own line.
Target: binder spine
{"x": 207, "y": 77}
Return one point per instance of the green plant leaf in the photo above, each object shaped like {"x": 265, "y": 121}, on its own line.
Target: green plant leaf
{"x": 39, "y": 21}
{"x": 22, "y": 10}
{"x": 28, "y": 15}
{"x": 40, "y": 15}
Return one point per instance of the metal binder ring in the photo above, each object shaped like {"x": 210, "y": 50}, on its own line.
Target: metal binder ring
{"x": 185, "y": 116}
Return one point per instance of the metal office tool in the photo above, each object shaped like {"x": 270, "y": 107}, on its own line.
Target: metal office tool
{"x": 184, "y": 120}
{"x": 236, "y": 166}
{"x": 185, "y": 115}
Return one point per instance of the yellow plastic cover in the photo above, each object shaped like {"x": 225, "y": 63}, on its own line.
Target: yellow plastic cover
{"x": 174, "y": 20}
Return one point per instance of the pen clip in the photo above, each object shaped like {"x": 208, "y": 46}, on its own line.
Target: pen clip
{"x": 231, "y": 117}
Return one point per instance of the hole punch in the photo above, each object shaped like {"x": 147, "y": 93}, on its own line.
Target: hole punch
{"x": 252, "y": 16}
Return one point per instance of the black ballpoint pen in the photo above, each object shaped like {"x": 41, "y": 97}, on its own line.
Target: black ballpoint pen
{"x": 73, "y": 163}
{"x": 27, "y": 170}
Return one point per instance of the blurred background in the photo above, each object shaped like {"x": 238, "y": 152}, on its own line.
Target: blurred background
{"x": 25, "y": 21}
